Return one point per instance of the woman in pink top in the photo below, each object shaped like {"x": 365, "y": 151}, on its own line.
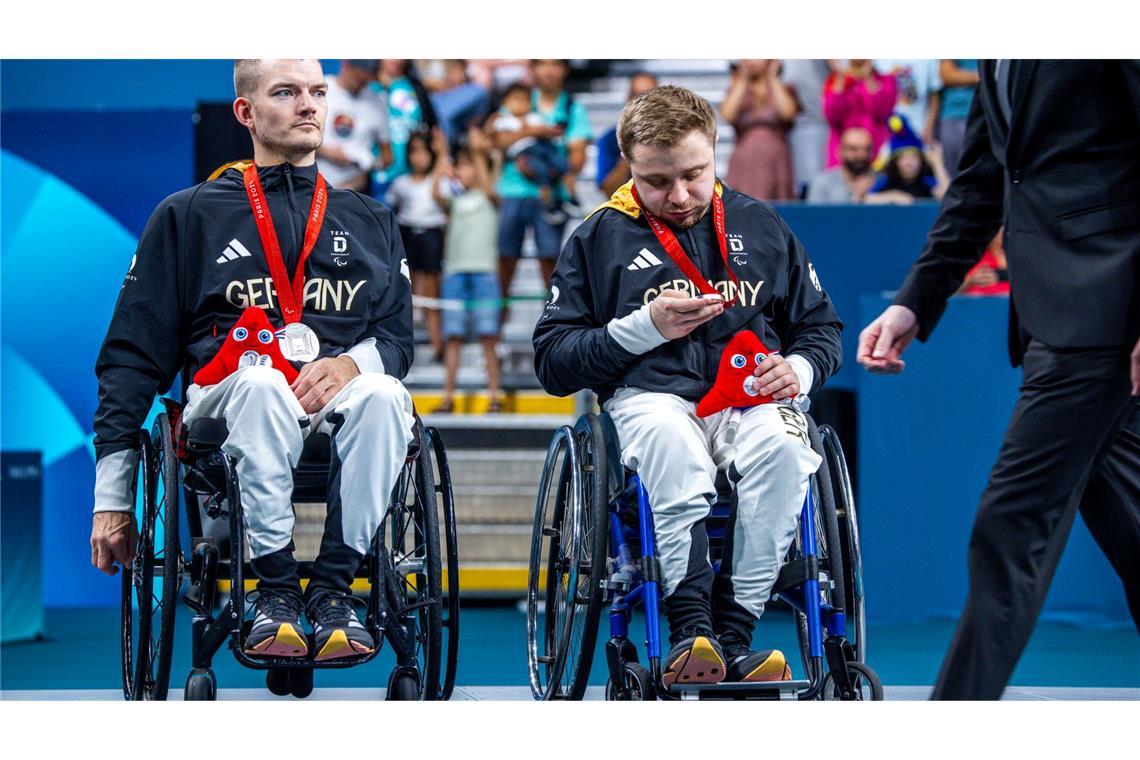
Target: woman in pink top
{"x": 858, "y": 97}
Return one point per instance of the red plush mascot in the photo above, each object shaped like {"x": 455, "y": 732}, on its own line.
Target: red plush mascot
{"x": 252, "y": 342}
{"x": 735, "y": 384}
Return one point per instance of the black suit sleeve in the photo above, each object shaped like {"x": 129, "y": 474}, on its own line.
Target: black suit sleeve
{"x": 572, "y": 349}
{"x": 1131, "y": 71}
{"x": 971, "y": 215}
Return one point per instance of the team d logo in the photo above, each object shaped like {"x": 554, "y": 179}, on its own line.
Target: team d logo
{"x": 340, "y": 247}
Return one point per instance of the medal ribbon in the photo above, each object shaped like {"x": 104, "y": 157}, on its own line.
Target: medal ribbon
{"x": 672, "y": 246}
{"x": 290, "y": 295}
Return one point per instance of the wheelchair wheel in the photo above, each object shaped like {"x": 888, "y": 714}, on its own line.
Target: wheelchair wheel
{"x": 570, "y": 533}
{"x": 848, "y": 530}
{"x": 832, "y": 573}
{"x": 402, "y": 687}
{"x": 201, "y": 686}
{"x": 450, "y": 623}
{"x": 415, "y": 560}
{"x": 638, "y": 685}
{"x": 867, "y": 685}
{"x": 150, "y": 588}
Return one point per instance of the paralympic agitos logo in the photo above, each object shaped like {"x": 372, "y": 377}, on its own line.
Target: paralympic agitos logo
{"x": 747, "y": 293}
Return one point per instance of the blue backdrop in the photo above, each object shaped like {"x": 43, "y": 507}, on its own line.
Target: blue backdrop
{"x": 927, "y": 440}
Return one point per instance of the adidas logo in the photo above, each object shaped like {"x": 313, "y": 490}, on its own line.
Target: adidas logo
{"x": 234, "y": 250}
{"x": 644, "y": 260}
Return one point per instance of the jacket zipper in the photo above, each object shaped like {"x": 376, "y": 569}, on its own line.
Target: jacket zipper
{"x": 293, "y": 248}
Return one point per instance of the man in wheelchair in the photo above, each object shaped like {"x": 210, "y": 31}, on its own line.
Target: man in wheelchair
{"x": 646, "y": 295}
{"x": 327, "y": 267}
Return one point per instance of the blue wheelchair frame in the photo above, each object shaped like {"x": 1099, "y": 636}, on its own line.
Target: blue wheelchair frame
{"x": 638, "y": 582}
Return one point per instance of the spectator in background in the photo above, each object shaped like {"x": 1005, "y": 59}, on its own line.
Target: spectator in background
{"x": 990, "y": 276}
{"x": 422, "y": 222}
{"x": 470, "y": 264}
{"x": 912, "y": 172}
{"x": 853, "y": 178}
{"x": 858, "y": 96}
{"x": 916, "y": 80}
{"x": 409, "y": 111}
{"x": 537, "y": 158}
{"x": 808, "y": 139}
{"x": 959, "y": 80}
{"x": 520, "y": 207}
{"x": 357, "y": 141}
{"x": 459, "y": 102}
{"x": 760, "y": 108}
{"x": 613, "y": 170}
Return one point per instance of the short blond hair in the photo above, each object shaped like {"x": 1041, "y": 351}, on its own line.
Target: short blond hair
{"x": 247, "y": 73}
{"x": 664, "y": 116}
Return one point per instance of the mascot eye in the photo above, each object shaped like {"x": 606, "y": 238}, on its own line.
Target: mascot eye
{"x": 241, "y": 333}
{"x": 760, "y": 358}
{"x": 738, "y": 360}
{"x": 265, "y": 337}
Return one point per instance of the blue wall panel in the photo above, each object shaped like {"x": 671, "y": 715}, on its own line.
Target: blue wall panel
{"x": 927, "y": 440}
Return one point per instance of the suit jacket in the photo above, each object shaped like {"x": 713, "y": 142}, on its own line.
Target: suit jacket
{"x": 1064, "y": 177}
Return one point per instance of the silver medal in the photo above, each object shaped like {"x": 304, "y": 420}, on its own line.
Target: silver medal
{"x": 298, "y": 342}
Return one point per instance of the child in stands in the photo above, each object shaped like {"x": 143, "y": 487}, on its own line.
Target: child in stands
{"x": 470, "y": 264}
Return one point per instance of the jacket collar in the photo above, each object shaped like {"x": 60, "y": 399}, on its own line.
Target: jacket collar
{"x": 622, "y": 200}
{"x": 272, "y": 176}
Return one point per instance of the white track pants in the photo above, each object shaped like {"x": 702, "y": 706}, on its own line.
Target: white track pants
{"x": 370, "y": 422}
{"x": 676, "y": 453}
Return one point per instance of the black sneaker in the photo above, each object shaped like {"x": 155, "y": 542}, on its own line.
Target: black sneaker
{"x": 697, "y": 657}
{"x": 747, "y": 666}
{"x": 277, "y": 630}
{"x": 337, "y": 632}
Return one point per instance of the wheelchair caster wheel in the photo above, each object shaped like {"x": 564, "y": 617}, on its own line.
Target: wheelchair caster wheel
{"x": 867, "y": 685}
{"x": 201, "y": 686}
{"x": 277, "y": 681}
{"x": 403, "y": 687}
{"x": 638, "y": 685}
{"x": 301, "y": 682}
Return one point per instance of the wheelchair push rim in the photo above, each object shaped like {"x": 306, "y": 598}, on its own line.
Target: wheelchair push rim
{"x": 413, "y": 555}
{"x": 150, "y": 585}
{"x": 449, "y": 533}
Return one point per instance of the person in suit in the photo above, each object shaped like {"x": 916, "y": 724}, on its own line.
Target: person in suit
{"x": 1058, "y": 162}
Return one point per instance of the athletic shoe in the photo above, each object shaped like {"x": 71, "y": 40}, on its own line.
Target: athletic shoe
{"x": 276, "y": 630}
{"x": 696, "y": 658}
{"x": 746, "y": 666}
{"x": 336, "y": 630}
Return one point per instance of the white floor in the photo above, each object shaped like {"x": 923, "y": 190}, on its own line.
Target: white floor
{"x": 515, "y": 693}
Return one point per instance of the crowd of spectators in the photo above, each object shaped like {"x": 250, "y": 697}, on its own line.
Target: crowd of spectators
{"x": 474, "y": 155}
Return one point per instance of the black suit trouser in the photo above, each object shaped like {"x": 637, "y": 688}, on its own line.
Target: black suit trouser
{"x": 1073, "y": 443}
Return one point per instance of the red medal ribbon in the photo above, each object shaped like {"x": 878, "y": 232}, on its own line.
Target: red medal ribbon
{"x": 673, "y": 247}
{"x": 290, "y": 295}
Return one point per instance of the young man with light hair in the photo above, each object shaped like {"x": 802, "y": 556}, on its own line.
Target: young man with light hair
{"x": 646, "y": 295}
{"x": 327, "y": 266}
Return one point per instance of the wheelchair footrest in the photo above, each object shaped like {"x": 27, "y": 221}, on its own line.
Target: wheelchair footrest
{"x": 765, "y": 690}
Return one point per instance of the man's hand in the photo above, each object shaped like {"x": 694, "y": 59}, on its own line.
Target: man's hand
{"x": 1135, "y": 366}
{"x": 883, "y": 341}
{"x": 777, "y": 378}
{"x": 114, "y": 537}
{"x": 675, "y": 314}
{"x": 319, "y": 381}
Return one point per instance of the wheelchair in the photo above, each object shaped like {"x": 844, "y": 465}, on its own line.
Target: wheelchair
{"x": 407, "y": 603}
{"x": 593, "y": 544}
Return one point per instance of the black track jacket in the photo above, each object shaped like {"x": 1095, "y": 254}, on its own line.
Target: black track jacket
{"x": 200, "y": 263}
{"x": 604, "y": 274}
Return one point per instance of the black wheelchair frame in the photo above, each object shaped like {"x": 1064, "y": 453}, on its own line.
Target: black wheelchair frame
{"x": 590, "y": 541}
{"x": 406, "y": 603}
